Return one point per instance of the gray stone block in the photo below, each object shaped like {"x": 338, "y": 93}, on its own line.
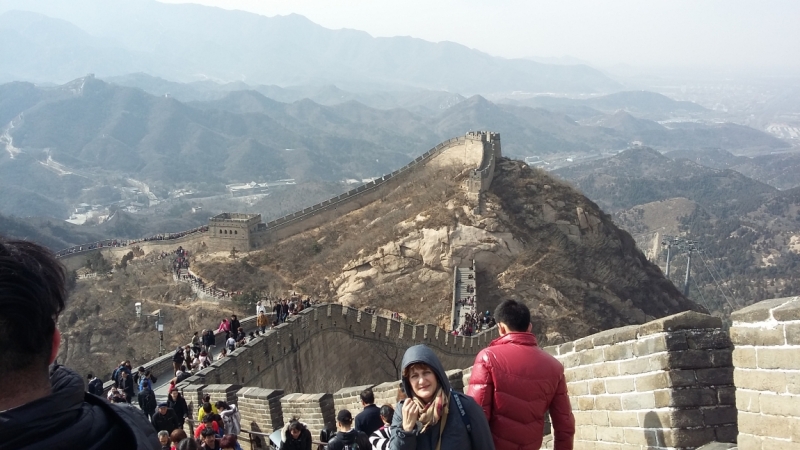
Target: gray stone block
{"x": 687, "y": 320}
{"x": 760, "y": 311}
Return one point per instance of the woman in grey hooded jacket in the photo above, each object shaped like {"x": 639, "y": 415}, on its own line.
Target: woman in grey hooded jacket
{"x": 434, "y": 417}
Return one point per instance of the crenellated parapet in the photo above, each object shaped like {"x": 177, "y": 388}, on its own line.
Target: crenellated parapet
{"x": 666, "y": 384}
{"x": 330, "y": 346}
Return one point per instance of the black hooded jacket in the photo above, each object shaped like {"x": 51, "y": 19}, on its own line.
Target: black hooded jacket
{"x": 350, "y": 437}
{"x": 69, "y": 418}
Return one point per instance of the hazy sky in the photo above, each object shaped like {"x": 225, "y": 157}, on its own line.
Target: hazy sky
{"x": 713, "y": 34}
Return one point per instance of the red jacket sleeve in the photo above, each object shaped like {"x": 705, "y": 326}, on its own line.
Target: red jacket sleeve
{"x": 562, "y": 418}
{"x": 481, "y": 384}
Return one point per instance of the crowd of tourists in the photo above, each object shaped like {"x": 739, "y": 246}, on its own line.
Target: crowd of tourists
{"x": 126, "y": 242}
{"x": 181, "y": 272}
{"x": 43, "y": 405}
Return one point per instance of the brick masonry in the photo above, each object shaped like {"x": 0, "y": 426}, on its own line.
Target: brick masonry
{"x": 664, "y": 384}
{"x": 767, "y": 374}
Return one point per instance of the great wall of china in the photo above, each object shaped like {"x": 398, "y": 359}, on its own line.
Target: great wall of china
{"x": 678, "y": 382}
{"x": 477, "y": 150}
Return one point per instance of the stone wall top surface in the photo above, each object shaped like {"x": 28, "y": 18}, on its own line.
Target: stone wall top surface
{"x": 687, "y": 320}
{"x": 780, "y": 309}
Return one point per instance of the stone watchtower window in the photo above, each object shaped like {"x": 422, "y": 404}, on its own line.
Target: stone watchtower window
{"x": 235, "y": 232}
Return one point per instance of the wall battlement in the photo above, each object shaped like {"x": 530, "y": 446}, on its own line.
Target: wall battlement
{"x": 667, "y": 384}
{"x": 332, "y": 335}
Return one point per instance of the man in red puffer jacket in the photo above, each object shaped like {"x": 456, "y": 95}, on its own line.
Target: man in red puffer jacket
{"x": 516, "y": 383}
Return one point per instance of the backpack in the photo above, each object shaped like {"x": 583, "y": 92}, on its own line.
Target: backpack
{"x": 96, "y": 387}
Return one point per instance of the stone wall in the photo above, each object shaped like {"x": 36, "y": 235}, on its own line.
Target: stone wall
{"x": 667, "y": 384}
{"x": 664, "y": 384}
{"x": 321, "y": 213}
{"x": 767, "y": 374}
{"x": 323, "y": 349}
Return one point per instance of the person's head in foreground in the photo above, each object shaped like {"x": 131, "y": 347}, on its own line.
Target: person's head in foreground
{"x": 512, "y": 317}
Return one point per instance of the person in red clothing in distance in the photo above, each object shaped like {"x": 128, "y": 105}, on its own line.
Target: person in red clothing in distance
{"x": 516, "y": 383}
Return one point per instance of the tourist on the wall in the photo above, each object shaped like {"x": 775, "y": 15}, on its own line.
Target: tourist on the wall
{"x": 225, "y": 327}
{"x": 434, "y": 416}
{"x": 234, "y": 324}
{"x": 196, "y": 343}
{"x": 346, "y": 435}
{"x": 231, "y": 418}
{"x": 207, "y": 424}
{"x": 205, "y": 408}
{"x": 165, "y": 418}
{"x": 369, "y": 419}
{"x": 163, "y": 438}
{"x": 262, "y": 321}
{"x": 177, "y": 403}
{"x": 147, "y": 399}
{"x": 380, "y": 438}
{"x": 177, "y": 359}
{"x": 284, "y": 310}
{"x": 177, "y": 436}
{"x": 209, "y": 439}
{"x": 126, "y": 386}
{"x": 296, "y": 436}
{"x": 516, "y": 383}
{"x": 95, "y": 386}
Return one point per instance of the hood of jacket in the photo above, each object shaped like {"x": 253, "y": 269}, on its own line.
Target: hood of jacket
{"x": 347, "y": 437}
{"x": 68, "y": 418}
{"x": 423, "y": 354}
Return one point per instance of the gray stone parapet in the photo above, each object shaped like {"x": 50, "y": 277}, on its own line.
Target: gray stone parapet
{"x": 664, "y": 384}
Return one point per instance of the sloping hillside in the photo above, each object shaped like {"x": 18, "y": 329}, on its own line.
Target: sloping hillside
{"x": 745, "y": 228}
{"x": 538, "y": 241}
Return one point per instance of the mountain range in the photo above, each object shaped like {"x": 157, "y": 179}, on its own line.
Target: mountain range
{"x": 85, "y": 140}
{"x": 188, "y": 42}
{"x": 746, "y": 231}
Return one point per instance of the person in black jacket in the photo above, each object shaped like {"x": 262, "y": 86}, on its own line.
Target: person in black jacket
{"x": 165, "y": 419}
{"x": 43, "y": 405}
{"x": 346, "y": 434}
{"x": 147, "y": 399}
{"x": 177, "y": 359}
{"x": 126, "y": 386}
{"x": 296, "y": 437}
{"x": 235, "y": 325}
{"x": 178, "y": 404}
{"x": 369, "y": 419}
{"x": 95, "y": 385}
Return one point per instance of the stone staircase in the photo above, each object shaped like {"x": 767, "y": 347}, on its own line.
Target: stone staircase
{"x": 465, "y": 294}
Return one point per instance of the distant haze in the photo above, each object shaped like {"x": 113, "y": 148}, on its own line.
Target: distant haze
{"x": 756, "y": 37}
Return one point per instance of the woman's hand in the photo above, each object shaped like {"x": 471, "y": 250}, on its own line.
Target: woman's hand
{"x": 410, "y": 415}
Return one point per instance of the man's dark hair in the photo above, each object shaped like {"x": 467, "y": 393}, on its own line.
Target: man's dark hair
{"x": 367, "y": 396}
{"x": 295, "y": 425}
{"x": 89, "y": 376}
{"x": 188, "y": 444}
{"x": 515, "y": 315}
{"x": 32, "y": 295}
{"x": 207, "y": 407}
{"x": 207, "y": 431}
{"x": 387, "y": 412}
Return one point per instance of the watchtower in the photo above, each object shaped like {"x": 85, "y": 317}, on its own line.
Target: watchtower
{"x": 232, "y": 230}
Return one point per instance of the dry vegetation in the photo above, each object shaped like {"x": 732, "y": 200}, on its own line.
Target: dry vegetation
{"x": 306, "y": 263}
{"x": 100, "y": 328}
